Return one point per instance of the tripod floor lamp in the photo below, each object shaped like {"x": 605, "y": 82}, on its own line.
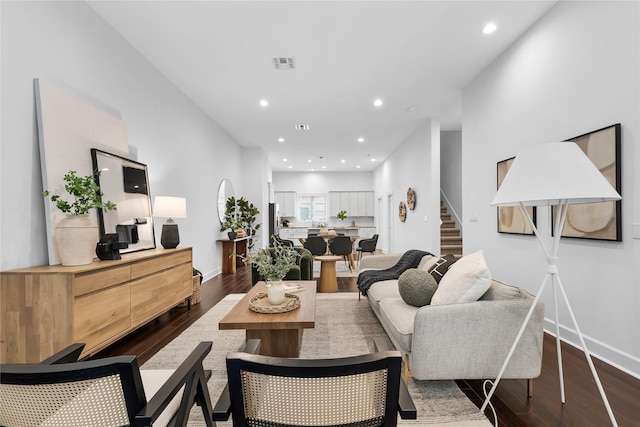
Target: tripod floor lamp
{"x": 553, "y": 174}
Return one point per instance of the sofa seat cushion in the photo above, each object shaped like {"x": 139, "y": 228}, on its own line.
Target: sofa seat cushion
{"x": 381, "y": 290}
{"x": 465, "y": 281}
{"x": 398, "y": 318}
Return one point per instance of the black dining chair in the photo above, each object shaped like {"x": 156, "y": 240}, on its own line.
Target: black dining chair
{"x": 277, "y": 240}
{"x": 316, "y": 245}
{"x": 367, "y": 245}
{"x": 341, "y": 245}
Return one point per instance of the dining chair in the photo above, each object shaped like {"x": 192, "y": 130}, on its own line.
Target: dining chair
{"x": 316, "y": 245}
{"x": 363, "y": 390}
{"x": 342, "y": 245}
{"x": 60, "y": 391}
{"x": 367, "y": 245}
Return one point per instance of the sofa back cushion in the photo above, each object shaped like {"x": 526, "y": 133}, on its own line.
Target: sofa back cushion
{"x": 465, "y": 281}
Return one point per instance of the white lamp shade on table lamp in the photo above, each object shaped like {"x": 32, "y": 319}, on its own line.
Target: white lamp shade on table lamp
{"x": 551, "y": 173}
{"x": 170, "y": 207}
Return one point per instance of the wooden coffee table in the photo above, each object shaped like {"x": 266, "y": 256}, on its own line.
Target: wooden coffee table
{"x": 280, "y": 333}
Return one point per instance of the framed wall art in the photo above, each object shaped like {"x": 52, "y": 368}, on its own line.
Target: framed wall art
{"x": 598, "y": 221}
{"x": 511, "y": 219}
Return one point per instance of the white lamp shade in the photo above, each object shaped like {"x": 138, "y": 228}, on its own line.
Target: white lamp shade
{"x": 546, "y": 174}
{"x": 169, "y": 207}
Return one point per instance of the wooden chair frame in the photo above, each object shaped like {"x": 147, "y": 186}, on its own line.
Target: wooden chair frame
{"x": 398, "y": 400}
{"x": 63, "y": 367}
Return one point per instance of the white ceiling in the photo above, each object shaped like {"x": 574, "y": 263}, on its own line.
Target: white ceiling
{"x": 414, "y": 55}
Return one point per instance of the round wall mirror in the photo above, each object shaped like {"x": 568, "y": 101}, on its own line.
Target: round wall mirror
{"x": 225, "y": 190}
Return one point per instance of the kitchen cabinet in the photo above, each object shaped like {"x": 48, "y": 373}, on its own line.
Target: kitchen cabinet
{"x": 286, "y": 201}
{"x": 356, "y": 203}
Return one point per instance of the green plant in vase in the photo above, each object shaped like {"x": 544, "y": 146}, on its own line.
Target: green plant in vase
{"x": 342, "y": 215}
{"x": 231, "y": 220}
{"x": 273, "y": 266}
{"x": 76, "y": 235}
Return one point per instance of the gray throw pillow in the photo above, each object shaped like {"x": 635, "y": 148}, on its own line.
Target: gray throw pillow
{"x": 416, "y": 287}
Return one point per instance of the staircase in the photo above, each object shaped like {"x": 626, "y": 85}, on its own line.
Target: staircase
{"x": 450, "y": 238}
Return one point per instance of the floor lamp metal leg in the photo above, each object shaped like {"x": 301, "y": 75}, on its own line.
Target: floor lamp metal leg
{"x": 554, "y": 277}
{"x": 588, "y": 355}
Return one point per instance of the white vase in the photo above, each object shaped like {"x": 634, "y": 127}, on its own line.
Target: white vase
{"x": 76, "y": 237}
{"x": 275, "y": 292}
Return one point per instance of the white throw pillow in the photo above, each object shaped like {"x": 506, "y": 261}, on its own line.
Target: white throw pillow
{"x": 466, "y": 281}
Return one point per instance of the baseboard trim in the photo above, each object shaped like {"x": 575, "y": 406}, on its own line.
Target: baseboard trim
{"x": 620, "y": 360}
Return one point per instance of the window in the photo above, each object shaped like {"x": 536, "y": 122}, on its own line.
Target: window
{"x": 312, "y": 207}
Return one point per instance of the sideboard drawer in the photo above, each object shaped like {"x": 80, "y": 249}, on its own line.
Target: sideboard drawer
{"x": 144, "y": 268}
{"x": 148, "y": 297}
{"x": 101, "y": 315}
{"x": 91, "y": 282}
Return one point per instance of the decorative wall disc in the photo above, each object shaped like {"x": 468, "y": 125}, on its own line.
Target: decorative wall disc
{"x": 402, "y": 212}
{"x": 411, "y": 199}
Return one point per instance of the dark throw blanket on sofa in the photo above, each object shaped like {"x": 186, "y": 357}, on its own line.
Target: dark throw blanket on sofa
{"x": 409, "y": 259}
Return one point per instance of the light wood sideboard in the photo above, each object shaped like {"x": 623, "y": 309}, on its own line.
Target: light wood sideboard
{"x": 44, "y": 309}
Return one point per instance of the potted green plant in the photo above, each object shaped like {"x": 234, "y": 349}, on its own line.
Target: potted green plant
{"x": 342, "y": 215}
{"x": 76, "y": 235}
{"x": 273, "y": 265}
{"x": 231, "y": 219}
{"x": 247, "y": 216}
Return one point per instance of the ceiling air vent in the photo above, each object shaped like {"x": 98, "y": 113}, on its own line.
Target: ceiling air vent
{"x": 283, "y": 63}
{"x": 302, "y": 127}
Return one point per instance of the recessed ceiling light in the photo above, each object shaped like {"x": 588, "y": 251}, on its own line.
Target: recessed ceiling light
{"x": 377, "y": 102}
{"x": 324, "y": 167}
{"x": 309, "y": 161}
{"x": 489, "y": 28}
{"x": 373, "y": 160}
{"x": 358, "y": 167}
{"x": 313, "y": 170}
{"x": 280, "y": 139}
{"x": 342, "y": 161}
{"x": 284, "y": 160}
{"x": 361, "y": 139}
{"x": 290, "y": 167}
{"x": 264, "y": 102}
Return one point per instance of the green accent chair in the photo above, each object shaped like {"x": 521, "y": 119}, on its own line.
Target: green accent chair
{"x": 303, "y": 271}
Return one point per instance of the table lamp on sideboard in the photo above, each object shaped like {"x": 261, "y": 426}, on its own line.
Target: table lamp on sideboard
{"x": 170, "y": 208}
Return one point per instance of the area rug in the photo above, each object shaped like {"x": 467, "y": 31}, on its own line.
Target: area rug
{"x": 342, "y": 270}
{"x": 345, "y": 326}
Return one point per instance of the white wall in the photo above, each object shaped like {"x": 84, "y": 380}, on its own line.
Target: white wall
{"x": 575, "y": 71}
{"x": 415, "y": 164}
{"x": 186, "y": 152}
{"x": 451, "y": 171}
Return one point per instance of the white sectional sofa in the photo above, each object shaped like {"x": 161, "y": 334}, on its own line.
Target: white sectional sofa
{"x": 465, "y": 340}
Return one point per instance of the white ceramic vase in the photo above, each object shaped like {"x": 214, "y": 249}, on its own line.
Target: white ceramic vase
{"x": 76, "y": 237}
{"x": 275, "y": 292}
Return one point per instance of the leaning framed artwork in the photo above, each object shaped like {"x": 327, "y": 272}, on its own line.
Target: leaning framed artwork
{"x": 598, "y": 221}
{"x": 511, "y": 219}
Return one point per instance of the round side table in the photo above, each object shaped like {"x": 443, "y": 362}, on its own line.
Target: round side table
{"x": 328, "y": 279}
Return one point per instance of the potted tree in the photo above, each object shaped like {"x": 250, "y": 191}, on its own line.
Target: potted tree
{"x": 231, "y": 219}
{"x": 76, "y": 235}
{"x": 247, "y": 216}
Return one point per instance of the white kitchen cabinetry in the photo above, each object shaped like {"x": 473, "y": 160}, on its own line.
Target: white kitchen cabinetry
{"x": 286, "y": 201}
{"x": 356, "y": 203}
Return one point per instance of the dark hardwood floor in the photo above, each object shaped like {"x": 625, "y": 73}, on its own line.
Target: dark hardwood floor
{"x": 583, "y": 407}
